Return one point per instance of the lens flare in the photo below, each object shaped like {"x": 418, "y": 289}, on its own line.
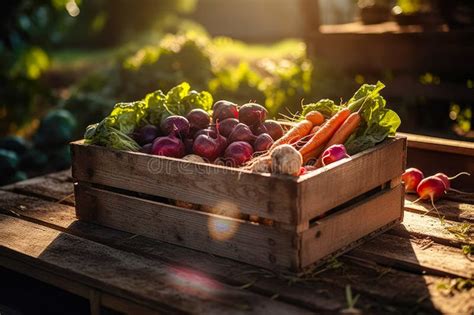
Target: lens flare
{"x": 221, "y": 228}
{"x": 192, "y": 282}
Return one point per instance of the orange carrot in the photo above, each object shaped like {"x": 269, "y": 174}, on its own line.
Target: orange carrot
{"x": 297, "y": 132}
{"x": 343, "y": 133}
{"x": 325, "y": 133}
{"x": 315, "y": 117}
{"x": 312, "y": 158}
{"x": 315, "y": 128}
{"x": 346, "y": 130}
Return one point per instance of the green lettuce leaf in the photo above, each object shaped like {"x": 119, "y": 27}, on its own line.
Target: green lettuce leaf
{"x": 378, "y": 121}
{"x": 155, "y": 107}
{"x": 201, "y": 100}
{"x": 326, "y": 107}
{"x": 127, "y": 116}
{"x": 105, "y": 135}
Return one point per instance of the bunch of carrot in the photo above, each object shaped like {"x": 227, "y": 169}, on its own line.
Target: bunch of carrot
{"x": 315, "y": 134}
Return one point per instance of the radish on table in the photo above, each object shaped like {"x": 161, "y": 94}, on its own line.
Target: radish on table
{"x": 411, "y": 178}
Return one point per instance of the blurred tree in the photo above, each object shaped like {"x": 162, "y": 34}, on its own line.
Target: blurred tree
{"x": 27, "y": 28}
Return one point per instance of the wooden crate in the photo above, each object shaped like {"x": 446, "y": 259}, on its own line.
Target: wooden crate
{"x": 312, "y": 217}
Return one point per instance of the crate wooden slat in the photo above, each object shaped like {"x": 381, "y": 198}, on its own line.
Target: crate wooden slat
{"x": 229, "y": 237}
{"x": 130, "y": 191}
{"x": 341, "y": 181}
{"x": 198, "y": 183}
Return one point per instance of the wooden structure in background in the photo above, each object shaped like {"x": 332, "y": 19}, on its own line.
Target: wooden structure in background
{"x": 405, "y": 51}
{"x": 356, "y": 47}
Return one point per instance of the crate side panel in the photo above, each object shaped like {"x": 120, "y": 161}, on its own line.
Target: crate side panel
{"x": 260, "y": 245}
{"x": 225, "y": 188}
{"x": 343, "y": 228}
{"x": 341, "y": 183}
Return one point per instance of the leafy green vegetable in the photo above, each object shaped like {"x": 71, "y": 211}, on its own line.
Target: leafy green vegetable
{"x": 114, "y": 130}
{"x": 155, "y": 104}
{"x": 127, "y": 116}
{"x": 105, "y": 134}
{"x": 378, "y": 122}
{"x": 326, "y": 107}
{"x": 201, "y": 100}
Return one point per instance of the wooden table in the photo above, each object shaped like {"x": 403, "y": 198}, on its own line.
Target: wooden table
{"x": 416, "y": 267}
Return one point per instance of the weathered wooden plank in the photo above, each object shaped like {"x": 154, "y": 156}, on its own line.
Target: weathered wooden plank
{"x": 451, "y": 210}
{"x": 65, "y": 218}
{"x": 417, "y": 255}
{"x": 431, "y": 227}
{"x": 36, "y": 271}
{"x": 319, "y": 295}
{"x": 36, "y": 209}
{"x": 344, "y": 180}
{"x": 345, "y": 227}
{"x": 233, "y": 238}
{"x": 45, "y": 187}
{"x": 439, "y": 144}
{"x": 127, "y": 274}
{"x": 64, "y": 176}
{"x": 268, "y": 196}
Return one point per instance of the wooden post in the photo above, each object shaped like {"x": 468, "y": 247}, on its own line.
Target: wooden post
{"x": 311, "y": 16}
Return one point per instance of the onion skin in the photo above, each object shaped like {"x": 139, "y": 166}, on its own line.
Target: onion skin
{"x": 211, "y": 131}
{"x": 188, "y": 145}
{"x": 146, "y": 134}
{"x": 238, "y": 153}
{"x": 198, "y": 119}
{"x": 169, "y": 146}
{"x": 262, "y": 143}
{"x": 412, "y": 178}
{"x": 208, "y": 147}
{"x": 242, "y": 132}
{"x": 146, "y": 148}
{"x": 252, "y": 114}
{"x": 226, "y": 126}
{"x": 224, "y": 109}
{"x": 175, "y": 123}
{"x": 272, "y": 127}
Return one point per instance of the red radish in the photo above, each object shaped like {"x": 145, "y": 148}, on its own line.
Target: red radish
{"x": 252, "y": 114}
{"x": 334, "y": 153}
{"x": 170, "y": 146}
{"x": 146, "y": 134}
{"x": 411, "y": 178}
{"x": 208, "y": 146}
{"x": 198, "y": 119}
{"x": 273, "y": 128}
{"x": 175, "y": 123}
{"x": 227, "y": 125}
{"x": 447, "y": 180}
{"x": 211, "y": 131}
{"x": 238, "y": 153}
{"x": 431, "y": 188}
{"x": 241, "y": 132}
{"x": 302, "y": 171}
{"x": 224, "y": 109}
{"x": 263, "y": 142}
